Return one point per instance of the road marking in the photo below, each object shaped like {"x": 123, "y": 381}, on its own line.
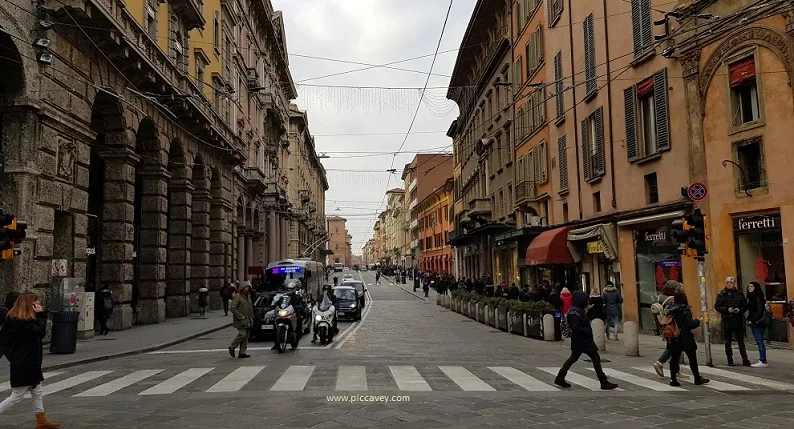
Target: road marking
{"x": 713, "y": 384}
{"x": 639, "y": 381}
{"x": 176, "y": 382}
{"x": 351, "y": 378}
{"x": 526, "y": 381}
{"x": 465, "y": 379}
{"x": 746, "y": 378}
{"x": 408, "y": 378}
{"x": 355, "y": 326}
{"x": 237, "y": 379}
{"x": 73, "y": 381}
{"x": 119, "y": 383}
{"x": 7, "y": 385}
{"x": 294, "y": 378}
{"x": 580, "y": 380}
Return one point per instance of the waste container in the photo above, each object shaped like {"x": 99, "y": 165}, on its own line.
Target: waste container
{"x": 64, "y": 332}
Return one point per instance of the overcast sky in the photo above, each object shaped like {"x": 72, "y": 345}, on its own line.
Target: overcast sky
{"x": 374, "y": 32}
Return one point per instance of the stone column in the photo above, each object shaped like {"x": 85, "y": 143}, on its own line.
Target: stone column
{"x": 284, "y": 235}
{"x": 180, "y": 229}
{"x": 118, "y": 232}
{"x": 249, "y": 251}
{"x": 200, "y": 246}
{"x": 240, "y": 255}
{"x": 272, "y": 236}
{"x": 217, "y": 256}
{"x": 152, "y": 255}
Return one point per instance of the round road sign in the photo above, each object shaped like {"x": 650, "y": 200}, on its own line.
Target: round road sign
{"x": 697, "y": 191}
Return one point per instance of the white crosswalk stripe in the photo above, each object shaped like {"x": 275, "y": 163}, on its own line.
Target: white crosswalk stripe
{"x": 176, "y": 382}
{"x": 351, "y": 378}
{"x": 522, "y": 379}
{"x": 237, "y": 379}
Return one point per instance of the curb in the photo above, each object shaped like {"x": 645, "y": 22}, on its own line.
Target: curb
{"x": 413, "y": 294}
{"x": 136, "y": 352}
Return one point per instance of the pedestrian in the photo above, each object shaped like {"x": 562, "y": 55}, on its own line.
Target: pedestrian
{"x": 567, "y": 300}
{"x": 203, "y": 298}
{"x": 731, "y": 304}
{"x": 426, "y": 289}
{"x": 226, "y": 295}
{"x": 758, "y": 317}
{"x": 680, "y": 318}
{"x": 243, "y": 318}
{"x": 612, "y": 308}
{"x": 664, "y": 301}
{"x": 582, "y": 343}
{"x": 22, "y": 333}
{"x": 104, "y": 309}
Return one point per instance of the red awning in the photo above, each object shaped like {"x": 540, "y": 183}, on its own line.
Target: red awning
{"x": 550, "y": 248}
{"x": 742, "y": 71}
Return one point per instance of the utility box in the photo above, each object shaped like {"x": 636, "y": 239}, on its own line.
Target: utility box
{"x": 85, "y": 325}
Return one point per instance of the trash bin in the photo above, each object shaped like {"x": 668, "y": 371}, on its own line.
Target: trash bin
{"x": 64, "y": 332}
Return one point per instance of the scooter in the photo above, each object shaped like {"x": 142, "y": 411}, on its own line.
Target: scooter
{"x": 287, "y": 329}
{"x": 323, "y": 315}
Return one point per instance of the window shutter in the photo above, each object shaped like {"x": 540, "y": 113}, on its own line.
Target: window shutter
{"x": 540, "y": 44}
{"x": 531, "y": 167}
{"x": 629, "y": 96}
{"x": 562, "y": 162}
{"x": 542, "y": 105}
{"x": 636, "y": 27}
{"x": 599, "y": 125}
{"x": 516, "y": 76}
{"x": 660, "y": 100}
{"x": 647, "y": 23}
{"x": 550, "y": 11}
{"x": 589, "y": 43}
{"x": 544, "y": 165}
{"x": 537, "y": 166}
{"x": 558, "y": 84}
{"x": 586, "y": 149}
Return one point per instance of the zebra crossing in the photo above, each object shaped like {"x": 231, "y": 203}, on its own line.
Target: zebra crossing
{"x": 406, "y": 378}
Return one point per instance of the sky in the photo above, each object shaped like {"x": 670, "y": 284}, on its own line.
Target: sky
{"x": 374, "y": 32}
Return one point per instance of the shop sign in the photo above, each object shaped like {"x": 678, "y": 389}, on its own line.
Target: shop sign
{"x": 654, "y": 237}
{"x": 756, "y": 223}
{"x": 595, "y": 247}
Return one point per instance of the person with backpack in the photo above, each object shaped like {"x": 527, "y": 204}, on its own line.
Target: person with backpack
{"x": 582, "y": 343}
{"x": 731, "y": 305}
{"x": 664, "y": 301}
{"x": 104, "y": 309}
{"x": 758, "y": 317}
{"x": 677, "y": 331}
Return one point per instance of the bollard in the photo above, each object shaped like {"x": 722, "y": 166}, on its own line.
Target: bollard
{"x": 438, "y": 299}
{"x": 548, "y": 327}
{"x": 631, "y": 338}
{"x": 598, "y": 334}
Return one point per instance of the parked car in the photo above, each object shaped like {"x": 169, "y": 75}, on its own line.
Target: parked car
{"x": 361, "y": 290}
{"x": 347, "y": 298}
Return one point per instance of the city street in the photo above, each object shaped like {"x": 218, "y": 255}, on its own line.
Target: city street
{"x": 436, "y": 369}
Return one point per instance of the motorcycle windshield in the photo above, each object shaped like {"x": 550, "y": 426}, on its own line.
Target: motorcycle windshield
{"x": 283, "y": 302}
{"x": 325, "y": 304}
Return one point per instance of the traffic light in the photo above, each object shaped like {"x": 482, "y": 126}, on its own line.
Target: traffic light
{"x": 680, "y": 232}
{"x": 690, "y": 232}
{"x": 12, "y": 231}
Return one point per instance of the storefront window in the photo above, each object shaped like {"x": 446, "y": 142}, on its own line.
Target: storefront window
{"x": 759, "y": 256}
{"x": 658, "y": 261}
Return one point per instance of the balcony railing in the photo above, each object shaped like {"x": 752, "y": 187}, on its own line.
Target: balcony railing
{"x": 480, "y": 206}
{"x": 526, "y": 191}
{"x": 254, "y": 179}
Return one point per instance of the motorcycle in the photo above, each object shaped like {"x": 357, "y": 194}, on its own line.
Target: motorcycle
{"x": 323, "y": 315}
{"x": 287, "y": 329}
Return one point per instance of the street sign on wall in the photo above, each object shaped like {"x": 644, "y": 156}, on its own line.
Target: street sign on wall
{"x": 697, "y": 191}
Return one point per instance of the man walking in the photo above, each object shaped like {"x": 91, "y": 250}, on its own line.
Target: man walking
{"x": 226, "y": 295}
{"x": 731, "y": 304}
{"x": 612, "y": 308}
{"x": 243, "y": 313}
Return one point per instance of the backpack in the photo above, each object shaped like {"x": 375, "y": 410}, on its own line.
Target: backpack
{"x": 565, "y": 328}
{"x": 670, "y": 331}
{"x": 108, "y": 303}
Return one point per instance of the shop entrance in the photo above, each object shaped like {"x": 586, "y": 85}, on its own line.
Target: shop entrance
{"x": 657, "y": 261}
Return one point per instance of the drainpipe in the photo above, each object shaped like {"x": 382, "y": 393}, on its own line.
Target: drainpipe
{"x": 575, "y": 120}
{"x": 609, "y": 106}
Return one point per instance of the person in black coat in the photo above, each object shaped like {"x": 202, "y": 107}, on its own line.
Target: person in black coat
{"x": 758, "y": 319}
{"x": 681, "y": 313}
{"x": 104, "y": 309}
{"x": 11, "y": 298}
{"x": 582, "y": 343}
{"x": 22, "y": 332}
{"x": 731, "y": 305}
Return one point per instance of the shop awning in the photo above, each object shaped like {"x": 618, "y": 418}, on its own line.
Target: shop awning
{"x": 604, "y": 233}
{"x": 652, "y": 218}
{"x": 550, "y": 248}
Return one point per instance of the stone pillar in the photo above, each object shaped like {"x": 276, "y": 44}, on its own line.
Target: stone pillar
{"x": 272, "y": 236}
{"x": 118, "y": 232}
{"x": 599, "y": 335}
{"x": 217, "y": 256}
{"x": 241, "y": 255}
{"x": 249, "y": 251}
{"x": 152, "y": 255}
{"x": 180, "y": 229}
{"x": 200, "y": 246}
{"x": 284, "y": 235}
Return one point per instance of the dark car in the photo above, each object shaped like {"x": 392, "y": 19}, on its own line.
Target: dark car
{"x": 361, "y": 289}
{"x": 347, "y": 298}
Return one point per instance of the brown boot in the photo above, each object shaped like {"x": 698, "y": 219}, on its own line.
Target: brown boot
{"x": 43, "y": 423}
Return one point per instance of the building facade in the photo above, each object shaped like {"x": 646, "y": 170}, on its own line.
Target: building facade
{"x": 150, "y": 157}
{"x": 434, "y": 225}
{"x": 338, "y": 246}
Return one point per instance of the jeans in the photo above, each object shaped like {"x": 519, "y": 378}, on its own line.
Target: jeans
{"x": 758, "y": 335}
{"x": 729, "y": 333}
{"x": 676, "y": 361}
{"x": 17, "y": 393}
{"x": 612, "y": 320}
{"x": 665, "y": 356}
{"x": 103, "y": 326}
{"x": 594, "y": 356}
{"x": 241, "y": 340}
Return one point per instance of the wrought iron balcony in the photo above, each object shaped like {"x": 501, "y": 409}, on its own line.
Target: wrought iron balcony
{"x": 526, "y": 191}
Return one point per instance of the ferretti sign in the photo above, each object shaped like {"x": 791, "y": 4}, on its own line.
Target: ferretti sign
{"x": 655, "y": 236}
{"x": 757, "y": 223}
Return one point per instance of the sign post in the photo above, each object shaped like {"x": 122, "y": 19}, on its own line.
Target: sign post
{"x": 704, "y": 309}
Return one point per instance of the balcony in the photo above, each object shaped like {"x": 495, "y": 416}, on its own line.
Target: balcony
{"x": 191, "y": 10}
{"x": 254, "y": 180}
{"x": 526, "y": 191}
{"x": 480, "y": 207}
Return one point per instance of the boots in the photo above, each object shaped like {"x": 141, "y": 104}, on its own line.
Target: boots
{"x": 560, "y": 381}
{"x": 43, "y": 423}
{"x": 606, "y": 384}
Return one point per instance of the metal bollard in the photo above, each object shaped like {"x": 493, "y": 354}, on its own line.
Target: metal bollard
{"x": 631, "y": 338}
{"x": 598, "y": 334}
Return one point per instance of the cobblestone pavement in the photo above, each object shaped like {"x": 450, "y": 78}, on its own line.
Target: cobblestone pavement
{"x": 416, "y": 365}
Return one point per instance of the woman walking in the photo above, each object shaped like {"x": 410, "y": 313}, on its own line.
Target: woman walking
{"x": 681, "y": 315}
{"x": 759, "y": 319}
{"x": 24, "y": 327}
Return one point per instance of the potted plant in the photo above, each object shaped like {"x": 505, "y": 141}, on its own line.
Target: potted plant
{"x": 534, "y": 312}
{"x": 501, "y": 313}
{"x": 481, "y": 309}
{"x": 516, "y": 317}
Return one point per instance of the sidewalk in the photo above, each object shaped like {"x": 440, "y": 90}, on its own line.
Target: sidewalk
{"x": 409, "y": 286}
{"x": 139, "y": 339}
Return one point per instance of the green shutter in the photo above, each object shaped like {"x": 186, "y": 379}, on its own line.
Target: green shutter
{"x": 585, "y": 149}
{"x": 660, "y": 101}
{"x": 629, "y": 97}
{"x": 647, "y": 24}
{"x": 563, "y": 162}
{"x": 589, "y": 45}
{"x": 636, "y": 27}
{"x": 558, "y": 84}
{"x": 599, "y": 168}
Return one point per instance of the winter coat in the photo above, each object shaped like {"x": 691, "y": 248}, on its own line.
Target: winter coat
{"x": 756, "y": 307}
{"x": 203, "y": 297}
{"x": 554, "y": 299}
{"x": 581, "y": 332}
{"x": 682, "y": 315}
{"x": 612, "y": 301}
{"x": 567, "y": 301}
{"x": 731, "y": 298}
{"x": 101, "y": 311}
{"x": 243, "y": 311}
{"x": 226, "y": 291}
{"x": 11, "y": 298}
{"x": 22, "y": 345}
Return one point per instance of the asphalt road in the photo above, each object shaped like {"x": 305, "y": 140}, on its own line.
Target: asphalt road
{"x": 408, "y": 363}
